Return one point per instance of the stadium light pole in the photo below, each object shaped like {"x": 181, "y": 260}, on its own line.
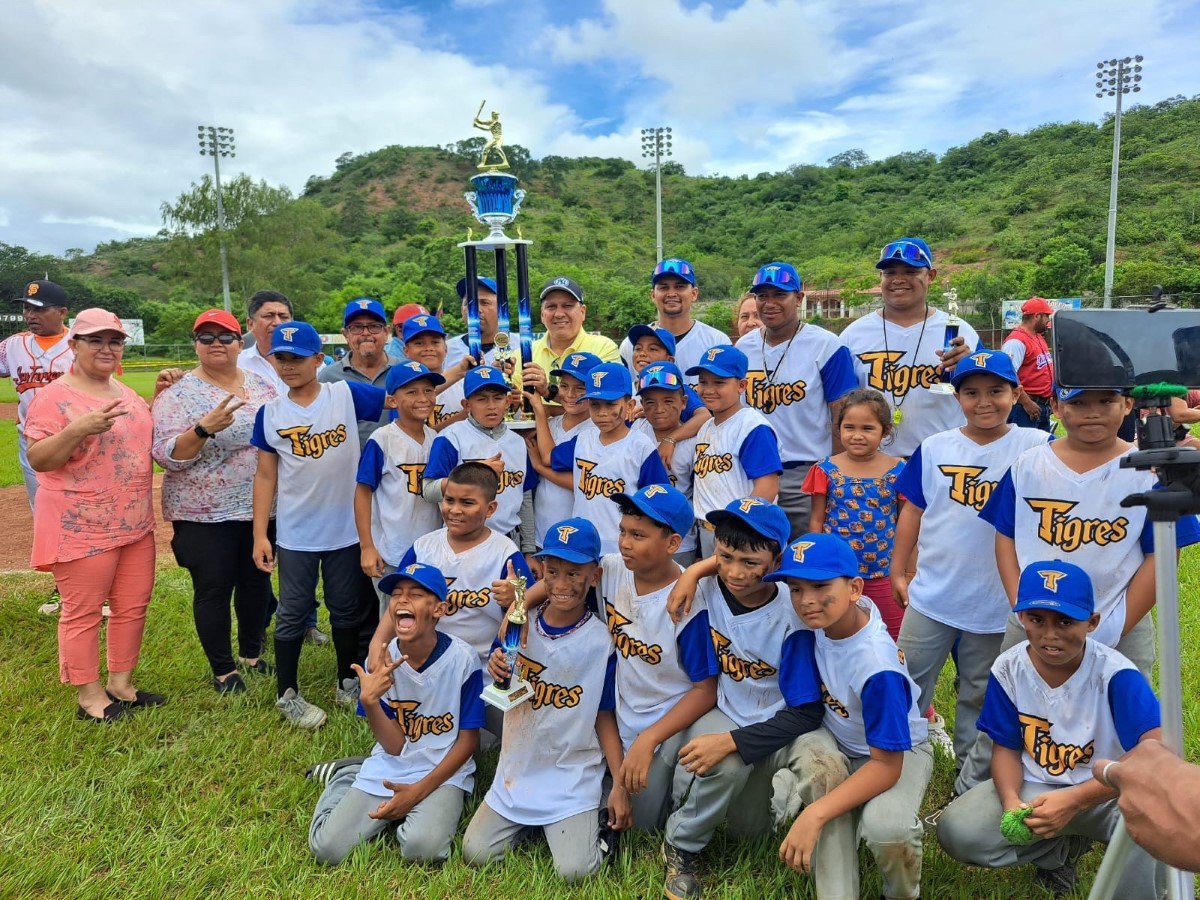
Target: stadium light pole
{"x": 1114, "y": 78}
{"x": 218, "y": 142}
{"x": 656, "y": 144}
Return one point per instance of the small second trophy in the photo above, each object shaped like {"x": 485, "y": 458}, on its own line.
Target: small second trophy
{"x": 953, "y": 324}
{"x": 513, "y": 690}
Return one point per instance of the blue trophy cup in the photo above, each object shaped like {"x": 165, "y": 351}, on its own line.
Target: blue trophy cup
{"x": 953, "y": 324}
{"x": 511, "y": 691}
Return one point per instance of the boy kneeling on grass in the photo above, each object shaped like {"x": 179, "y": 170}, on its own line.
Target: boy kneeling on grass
{"x": 424, "y": 708}
{"x": 872, "y": 726}
{"x": 1053, "y": 704}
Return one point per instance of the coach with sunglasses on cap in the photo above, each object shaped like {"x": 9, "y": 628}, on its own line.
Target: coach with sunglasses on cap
{"x": 202, "y": 427}
{"x": 897, "y": 350}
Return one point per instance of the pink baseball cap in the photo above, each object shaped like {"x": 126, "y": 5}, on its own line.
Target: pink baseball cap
{"x": 95, "y": 320}
{"x": 407, "y": 311}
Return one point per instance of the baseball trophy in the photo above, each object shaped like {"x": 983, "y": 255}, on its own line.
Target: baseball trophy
{"x": 513, "y": 690}
{"x": 952, "y": 326}
{"x": 495, "y": 202}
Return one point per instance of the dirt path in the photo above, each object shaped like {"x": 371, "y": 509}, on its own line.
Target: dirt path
{"x": 16, "y": 535}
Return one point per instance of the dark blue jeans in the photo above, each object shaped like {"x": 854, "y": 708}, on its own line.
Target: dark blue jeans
{"x": 1018, "y": 416}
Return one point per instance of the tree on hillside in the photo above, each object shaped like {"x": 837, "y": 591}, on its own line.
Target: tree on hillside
{"x": 849, "y": 159}
{"x": 195, "y": 210}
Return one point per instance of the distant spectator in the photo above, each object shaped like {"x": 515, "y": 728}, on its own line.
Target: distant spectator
{"x": 747, "y": 314}
{"x": 1026, "y": 347}
{"x": 395, "y": 345}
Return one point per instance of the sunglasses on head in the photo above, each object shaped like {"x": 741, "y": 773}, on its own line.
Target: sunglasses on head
{"x": 658, "y": 378}
{"x": 771, "y": 275}
{"x": 673, "y": 267}
{"x": 207, "y": 337}
{"x": 907, "y": 251}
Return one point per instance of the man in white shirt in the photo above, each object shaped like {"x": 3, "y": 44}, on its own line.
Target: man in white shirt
{"x": 264, "y": 312}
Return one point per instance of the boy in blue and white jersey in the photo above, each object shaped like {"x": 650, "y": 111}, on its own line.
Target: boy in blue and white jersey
{"x": 947, "y": 481}
{"x": 309, "y": 452}
{"x": 737, "y": 452}
{"x": 1054, "y": 703}
{"x": 609, "y": 458}
{"x": 662, "y": 394}
{"x": 424, "y": 709}
{"x": 484, "y": 437}
{"x": 666, "y": 671}
{"x": 731, "y": 754}
{"x": 556, "y": 744}
{"x": 871, "y": 727}
{"x": 389, "y": 510}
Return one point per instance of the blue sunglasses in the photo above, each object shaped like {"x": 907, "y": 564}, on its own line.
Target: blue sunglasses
{"x": 674, "y": 267}
{"x": 658, "y": 378}
{"x": 771, "y": 275}
{"x": 906, "y": 251}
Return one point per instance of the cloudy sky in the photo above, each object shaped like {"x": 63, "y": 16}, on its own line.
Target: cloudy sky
{"x": 99, "y": 102}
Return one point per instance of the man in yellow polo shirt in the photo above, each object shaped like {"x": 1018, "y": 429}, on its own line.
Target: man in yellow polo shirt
{"x": 563, "y": 312}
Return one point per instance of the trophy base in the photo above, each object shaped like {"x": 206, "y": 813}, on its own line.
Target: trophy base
{"x": 942, "y": 387}
{"x": 518, "y": 692}
{"x": 521, "y": 424}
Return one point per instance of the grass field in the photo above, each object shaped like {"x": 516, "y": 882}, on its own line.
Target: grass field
{"x": 206, "y": 796}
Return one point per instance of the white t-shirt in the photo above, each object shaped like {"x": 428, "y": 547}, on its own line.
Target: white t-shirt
{"x": 688, "y": 348}
{"x": 900, "y": 362}
{"x": 464, "y": 442}
{"x": 31, "y": 368}
{"x": 550, "y": 764}
{"x": 393, "y": 466}
{"x": 456, "y": 349}
{"x": 680, "y": 471}
{"x": 434, "y": 705}
{"x": 793, "y": 383}
{"x": 950, "y": 478}
{"x": 472, "y": 613}
{"x": 601, "y": 470}
{"x": 749, "y": 650}
{"x": 1102, "y": 710}
{"x": 318, "y": 452}
{"x": 729, "y": 456}
{"x": 552, "y": 503}
{"x": 657, "y": 660}
{"x": 870, "y": 700}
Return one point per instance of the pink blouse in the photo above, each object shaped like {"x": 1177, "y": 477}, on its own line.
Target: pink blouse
{"x": 102, "y": 498}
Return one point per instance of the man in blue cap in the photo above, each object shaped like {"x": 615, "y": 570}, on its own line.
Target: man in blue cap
{"x": 898, "y": 349}
{"x": 364, "y": 325}
{"x": 457, "y": 346}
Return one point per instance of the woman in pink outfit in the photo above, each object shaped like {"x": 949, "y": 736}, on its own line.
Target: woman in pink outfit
{"x": 89, "y": 440}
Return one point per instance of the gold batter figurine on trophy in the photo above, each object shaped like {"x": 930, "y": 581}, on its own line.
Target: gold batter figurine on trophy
{"x": 495, "y": 143}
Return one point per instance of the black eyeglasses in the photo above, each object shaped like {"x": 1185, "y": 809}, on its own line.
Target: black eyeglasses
{"x": 366, "y": 328}
{"x": 207, "y": 337}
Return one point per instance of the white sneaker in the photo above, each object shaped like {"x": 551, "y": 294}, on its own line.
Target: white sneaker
{"x": 50, "y": 607}
{"x": 299, "y": 712}
{"x": 347, "y": 693}
{"x": 938, "y": 736}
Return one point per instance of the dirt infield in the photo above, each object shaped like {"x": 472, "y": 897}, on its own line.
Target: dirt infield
{"x": 16, "y": 537}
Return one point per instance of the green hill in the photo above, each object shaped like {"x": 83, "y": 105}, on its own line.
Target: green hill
{"x": 1007, "y": 214}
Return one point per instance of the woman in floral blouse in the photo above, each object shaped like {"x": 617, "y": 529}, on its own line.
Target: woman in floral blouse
{"x": 93, "y": 526}
{"x": 202, "y": 427}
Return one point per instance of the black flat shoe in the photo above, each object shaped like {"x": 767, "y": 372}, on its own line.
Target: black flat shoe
{"x": 231, "y": 685}
{"x": 112, "y": 712}
{"x": 141, "y": 700}
{"x": 262, "y": 667}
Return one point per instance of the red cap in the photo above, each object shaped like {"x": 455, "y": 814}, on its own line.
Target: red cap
{"x": 407, "y": 311}
{"x": 226, "y": 320}
{"x": 1035, "y": 305}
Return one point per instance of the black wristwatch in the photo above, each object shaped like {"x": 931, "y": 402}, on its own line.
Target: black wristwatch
{"x": 202, "y": 432}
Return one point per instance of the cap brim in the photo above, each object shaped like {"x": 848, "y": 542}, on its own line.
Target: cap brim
{"x": 884, "y": 263}
{"x": 295, "y": 351}
{"x": 1043, "y": 604}
{"x": 388, "y": 583}
{"x": 808, "y": 573}
{"x": 606, "y": 395}
{"x": 770, "y": 284}
{"x": 569, "y": 555}
{"x": 957, "y": 379}
{"x": 712, "y": 370}
{"x": 428, "y": 376}
{"x": 32, "y": 301}
{"x": 644, "y": 508}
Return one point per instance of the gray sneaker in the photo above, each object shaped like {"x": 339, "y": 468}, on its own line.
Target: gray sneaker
{"x": 299, "y": 712}
{"x": 347, "y": 693}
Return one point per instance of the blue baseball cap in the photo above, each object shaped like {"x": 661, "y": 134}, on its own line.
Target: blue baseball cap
{"x": 297, "y": 338}
{"x": 661, "y": 335}
{"x": 779, "y": 275}
{"x": 577, "y": 365}
{"x": 985, "y": 362}
{"x": 1056, "y": 586}
{"x": 662, "y": 375}
{"x": 1064, "y": 394}
{"x": 723, "y": 360}
{"x": 575, "y": 540}
{"x": 368, "y": 305}
{"x": 816, "y": 557}
{"x": 912, "y": 251}
{"x": 680, "y": 268}
{"x": 608, "y": 381}
{"x": 428, "y": 577}
{"x": 402, "y": 373}
{"x": 484, "y": 377}
{"x": 461, "y": 287}
{"x": 764, "y": 517}
{"x": 420, "y": 324}
{"x": 662, "y": 503}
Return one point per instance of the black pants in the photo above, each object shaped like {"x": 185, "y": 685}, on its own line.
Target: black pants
{"x": 218, "y": 557}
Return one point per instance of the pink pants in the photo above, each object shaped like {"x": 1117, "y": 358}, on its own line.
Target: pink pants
{"x": 879, "y": 590}
{"x": 123, "y": 576}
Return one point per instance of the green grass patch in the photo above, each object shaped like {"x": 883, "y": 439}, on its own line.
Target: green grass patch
{"x": 140, "y": 381}
{"x": 206, "y": 796}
